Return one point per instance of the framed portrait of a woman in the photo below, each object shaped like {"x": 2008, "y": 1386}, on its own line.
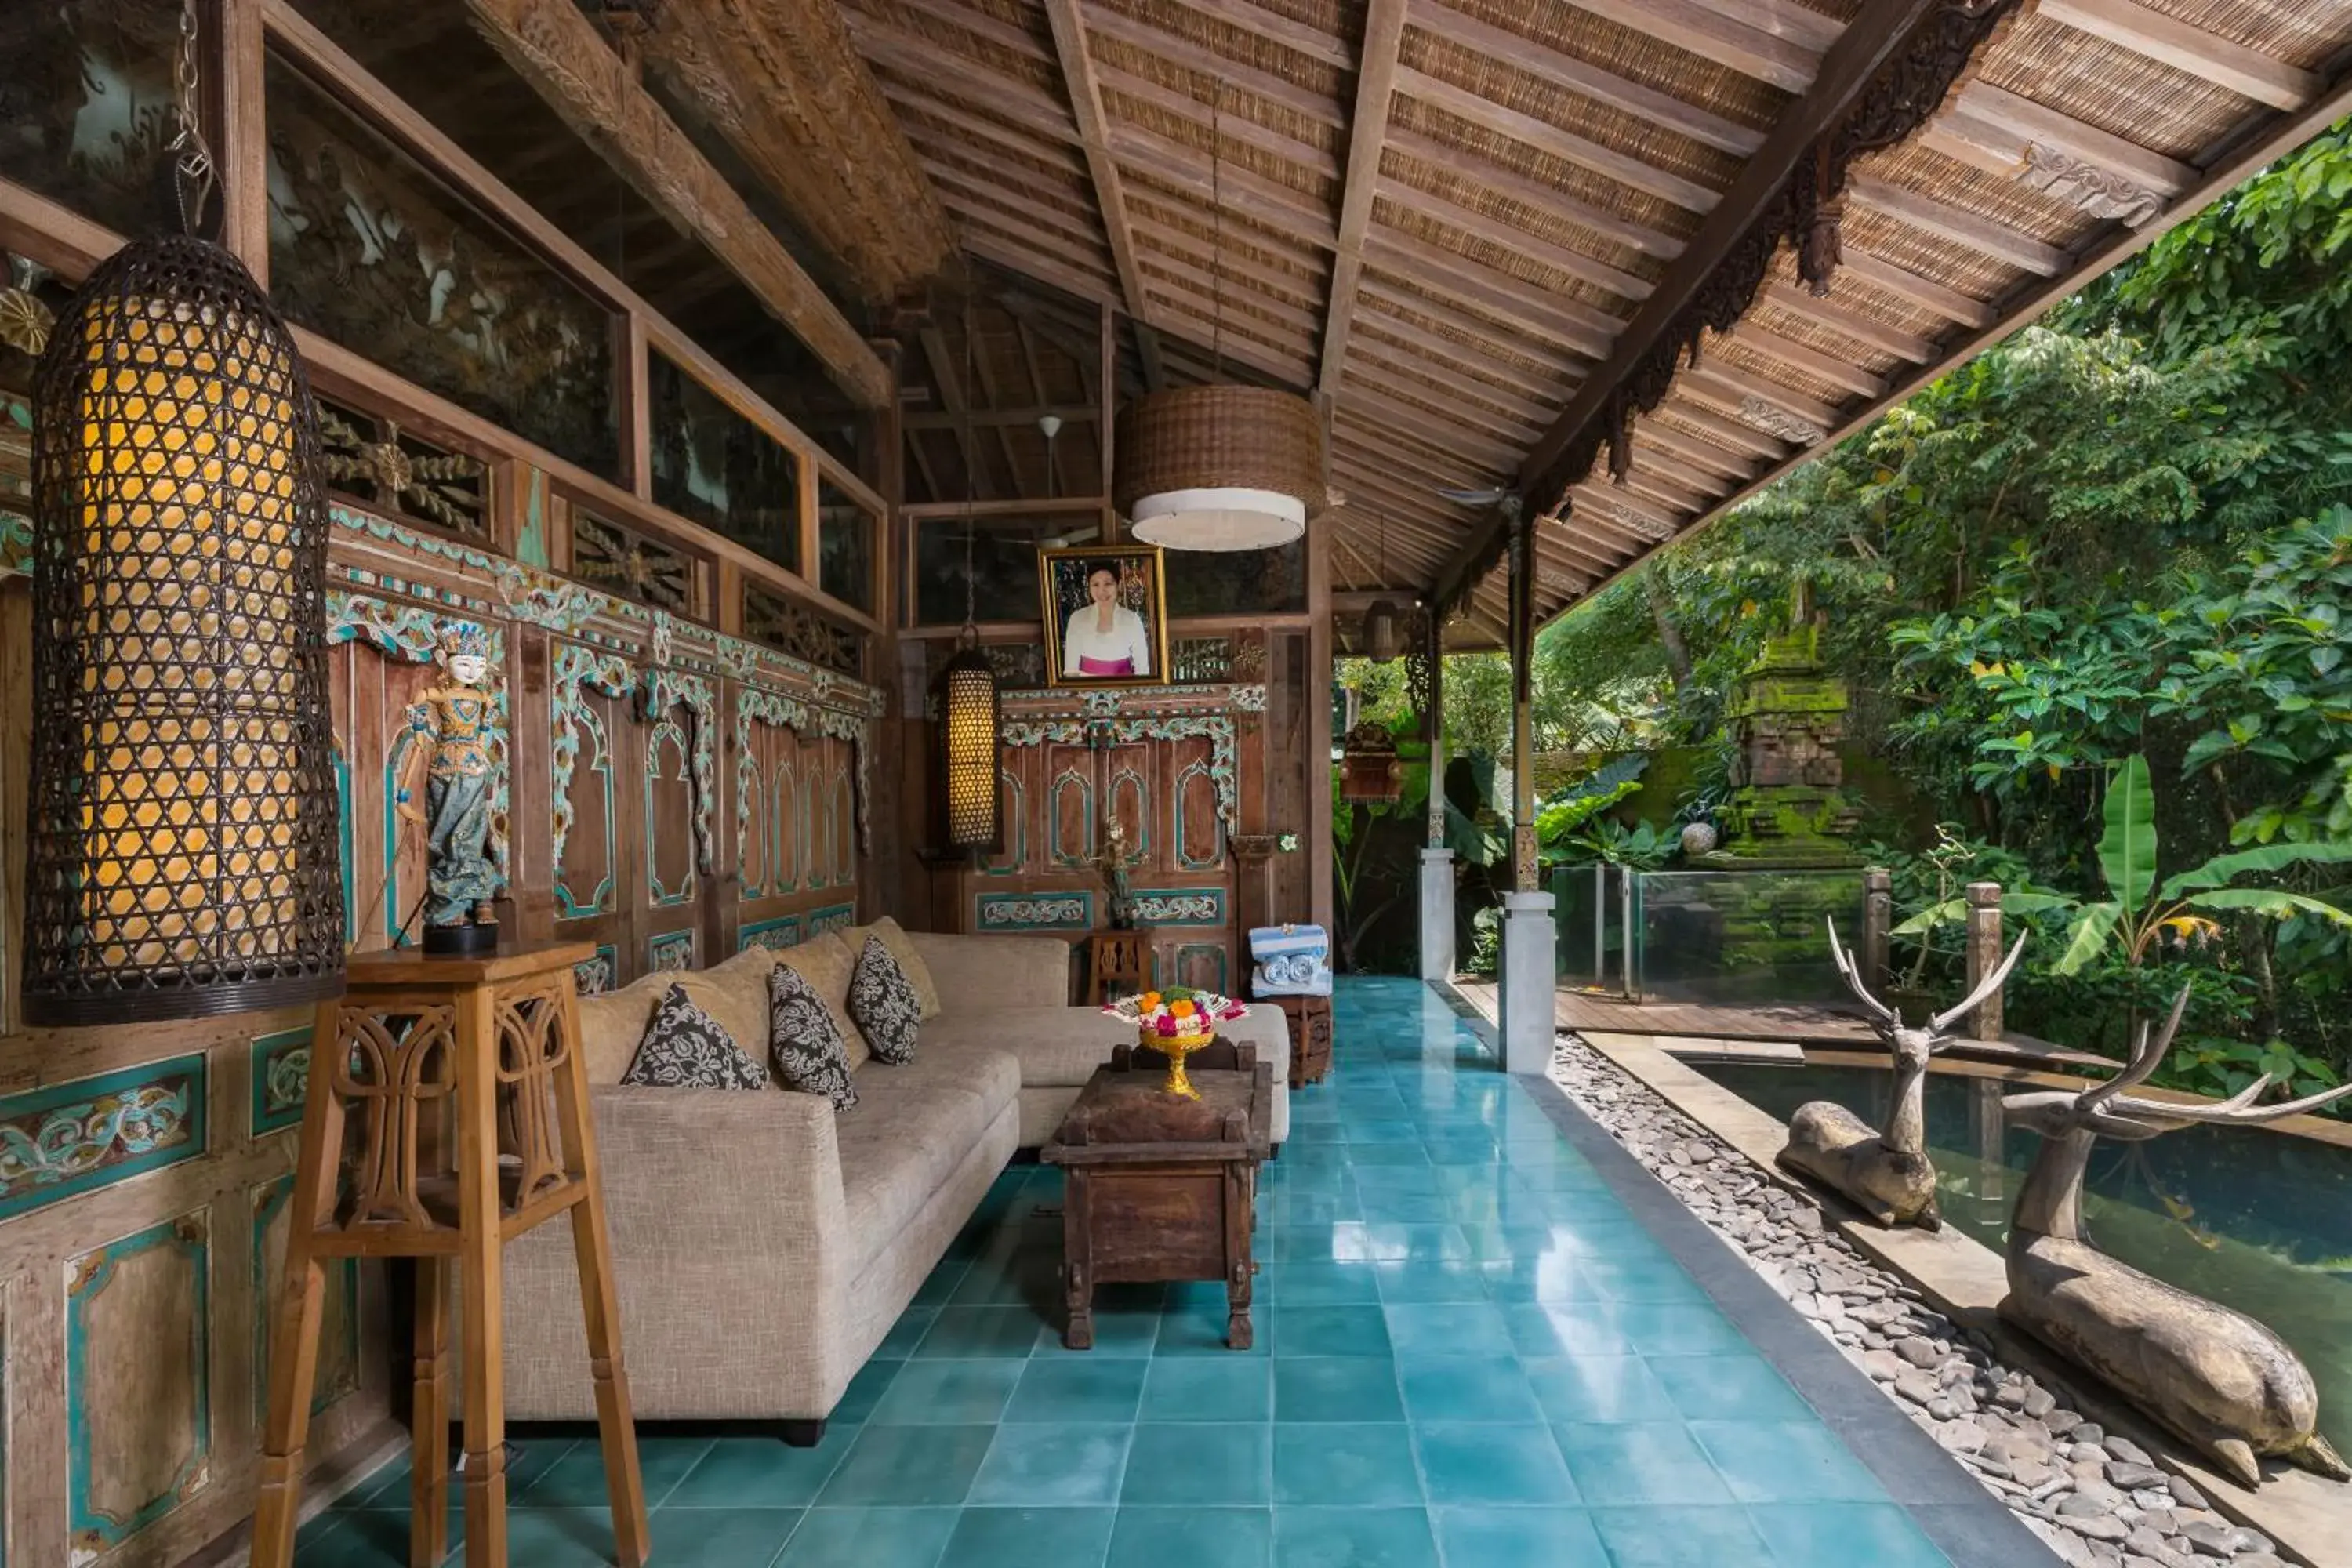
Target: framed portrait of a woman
{"x": 1105, "y": 614}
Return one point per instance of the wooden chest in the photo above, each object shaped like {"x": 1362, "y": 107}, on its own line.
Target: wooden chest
{"x": 1159, "y": 1187}
{"x": 1310, "y": 1037}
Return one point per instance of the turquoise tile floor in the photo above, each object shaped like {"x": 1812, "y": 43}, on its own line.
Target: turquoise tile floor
{"x": 1468, "y": 1355}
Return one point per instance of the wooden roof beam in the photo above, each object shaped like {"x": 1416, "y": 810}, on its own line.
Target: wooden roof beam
{"x": 1532, "y": 193}
{"x": 1269, "y": 203}
{"x": 1456, "y": 379}
{"x": 1846, "y": 72}
{"x": 1725, "y": 431}
{"x": 1166, "y": 236}
{"x": 1490, "y": 374}
{"x": 1546, "y": 137}
{"x": 1701, "y": 454}
{"x": 1719, "y": 34}
{"x": 1734, "y": 388}
{"x": 781, "y": 83}
{"x": 1586, "y": 80}
{"x": 1483, "y": 334}
{"x": 1368, "y": 128}
{"x": 1451, "y": 275}
{"x": 1938, "y": 299}
{"x": 1812, "y": 360}
{"x": 1848, "y": 322}
{"x": 1991, "y": 128}
{"x": 2188, "y": 48}
{"x": 1094, "y": 137}
{"x": 560, "y": 53}
{"x": 1560, "y": 258}
{"x": 1984, "y": 236}
{"x": 978, "y": 480}
{"x": 1234, "y": 73}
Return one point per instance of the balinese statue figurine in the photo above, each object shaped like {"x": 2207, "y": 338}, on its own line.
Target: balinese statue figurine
{"x": 2223, "y": 1383}
{"x": 1115, "y": 861}
{"x": 1887, "y": 1173}
{"x": 456, "y": 713}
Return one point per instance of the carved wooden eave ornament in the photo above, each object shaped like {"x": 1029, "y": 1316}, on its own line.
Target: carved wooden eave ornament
{"x": 2099, "y": 192}
{"x": 1775, "y": 420}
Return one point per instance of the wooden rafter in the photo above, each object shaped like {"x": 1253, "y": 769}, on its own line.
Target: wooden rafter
{"x": 1086, "y": 107}
{"x": 2190, "y": 49}
{"x": 558, "y": 50}
{"x": 1846, "y": 71}
{"x": 1368, "y": 128}
{"x": 1984, "y": 236}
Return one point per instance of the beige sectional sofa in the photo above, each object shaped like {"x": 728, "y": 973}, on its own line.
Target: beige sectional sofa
{"x": 764, "y": 1244}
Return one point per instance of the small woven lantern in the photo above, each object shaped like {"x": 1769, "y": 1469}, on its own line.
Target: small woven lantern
{"x": 184, "y": 856}
{"x": 1383, "y": 634}
{"x": 967, "y": 726}
{"x": 1219, "y": 468}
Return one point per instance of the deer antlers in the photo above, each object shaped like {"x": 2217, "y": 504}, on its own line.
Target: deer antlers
{"x": 2108, "y": 1098}
{"x": 1941, "y": 1021}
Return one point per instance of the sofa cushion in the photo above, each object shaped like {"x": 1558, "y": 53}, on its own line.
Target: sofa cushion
{"x": 910, "y": 963}
{"x": 826, "y": 962}
{"x": 685, "y": 1047}
{"x": 612, "y": 1026}
{"x": 803, "y": 1047}
{"x": 735, "y": 995}
{"x": 911, "y": 1126}
{"x": 1054, "y": 1045}
{"x": 882, "y": 1003}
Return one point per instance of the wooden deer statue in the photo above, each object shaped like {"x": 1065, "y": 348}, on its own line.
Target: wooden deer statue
{"x": 2223, "y": 1383}
{"x": 1887, "y": 1173}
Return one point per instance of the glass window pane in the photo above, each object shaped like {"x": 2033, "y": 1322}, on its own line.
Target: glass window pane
{"x": 370, "y": 249}
{"x": 845, "y": 539}
{"x": 1003, "y": 565}
{"x": 1237, "y": 581}
{"x": 717, "y": 467}
{"x": 86, "y": 104}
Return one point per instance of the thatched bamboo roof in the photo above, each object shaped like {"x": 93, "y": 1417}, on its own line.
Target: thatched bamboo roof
{"x": 1454, "y": 216}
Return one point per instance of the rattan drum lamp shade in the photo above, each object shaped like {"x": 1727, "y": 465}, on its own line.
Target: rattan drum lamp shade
{"x": 1219, "y": 467}
{"x": 183, "y": 852}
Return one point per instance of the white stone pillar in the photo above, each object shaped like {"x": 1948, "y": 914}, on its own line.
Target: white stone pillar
{"x": 1437, "y": 915}
{"x": 1530, "y": 979}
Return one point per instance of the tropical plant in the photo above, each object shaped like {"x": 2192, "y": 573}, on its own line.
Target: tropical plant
{"x": 2140, "y": 913}
{"x": 1645, "y": 847}
{"x": 1561, "y": 816}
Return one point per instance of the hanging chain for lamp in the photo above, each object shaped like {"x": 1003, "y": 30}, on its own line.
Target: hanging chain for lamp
{"x": 183, "y": 846}
{"x": 969, "y": 708}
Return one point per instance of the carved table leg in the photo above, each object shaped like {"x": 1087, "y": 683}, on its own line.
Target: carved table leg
{"x": 428, "y": 1480}
{"x": 1080, "y": 1298}
{"x": 1077, "y": 1263}
{"x": 1238, "y": 1281}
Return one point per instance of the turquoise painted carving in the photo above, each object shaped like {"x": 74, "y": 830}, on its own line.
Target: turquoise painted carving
{"x": 1185, "y": 859}
{"x": 531, "y": 541}
{"x": 1058, "y": 851}
{"x": 777, "y": 934}
{"x": 1106, "y": 728}
{"x": 281, "y": 1078}
{"x": 1131, "y": 807}
{"x": 1016, "y": 818}
{"x": 671, "y": 952}
{"x": 834, "y": 916}
{"x": 96, "y": 1531}
{"x": 662, "y": 691}
{"x": 1179, "y": 907}
{"x": 785, "y": 867}
{"x": 1036, "y": 911}
{"x": 593, "y": 975}
{"x": 666, "y": 735}
{"x": 339, "y": 1364}
{"x": 77, "y": 1137}
{"x": 577, "y": 668}
{"x": 755, "y": 706}
{"x": 413, "y": 635}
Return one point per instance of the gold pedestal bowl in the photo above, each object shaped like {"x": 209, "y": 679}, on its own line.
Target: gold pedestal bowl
{"x": 1176, "y": 1048}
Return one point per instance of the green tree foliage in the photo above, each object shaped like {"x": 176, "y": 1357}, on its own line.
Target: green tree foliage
{"x": 2117, "y": 545}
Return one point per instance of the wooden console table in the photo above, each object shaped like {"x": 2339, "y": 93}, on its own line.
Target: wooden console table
{"x": 448, "y": 1064}
{"x": 1161, "y": 1187}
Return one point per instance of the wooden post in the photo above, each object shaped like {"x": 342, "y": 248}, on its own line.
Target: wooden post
{"x": 1106, "y": 420}
{"x": 240, "y": 141}
{"x": 1984, "y": 956}
{"x": 1432, "y": 726}
{"x": 1523, "y": 741}
{"x": 1317, "y": 695}
{"x": 1877, "y": 927}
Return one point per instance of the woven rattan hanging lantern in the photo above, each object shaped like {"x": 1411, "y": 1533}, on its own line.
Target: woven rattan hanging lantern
{"x": 184, "y": 848}
{"x": 1219, "y": 468}
{"x": 968, "y": 724}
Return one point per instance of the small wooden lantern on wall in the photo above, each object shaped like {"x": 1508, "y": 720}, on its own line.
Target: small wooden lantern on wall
{"x": 1370, "y": 773}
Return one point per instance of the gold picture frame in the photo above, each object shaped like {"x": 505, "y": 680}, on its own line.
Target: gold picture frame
{"x": 1133, "y": 649}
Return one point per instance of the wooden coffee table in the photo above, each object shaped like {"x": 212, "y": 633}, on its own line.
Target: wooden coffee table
{"x": 1160, "y": 1187}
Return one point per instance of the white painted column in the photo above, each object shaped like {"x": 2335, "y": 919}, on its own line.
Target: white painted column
{"x": 1437, "y": 915}
{"x": 1530, "y": 977}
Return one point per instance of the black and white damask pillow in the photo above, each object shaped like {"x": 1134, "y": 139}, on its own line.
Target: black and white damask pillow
{"x": 805, "y": 1050}
{"x": 883, "y": 1003}
{"x": 686, "y": 1048}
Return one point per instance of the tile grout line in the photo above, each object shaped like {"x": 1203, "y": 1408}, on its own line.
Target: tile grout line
{"x": 1966, "y": 1523}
